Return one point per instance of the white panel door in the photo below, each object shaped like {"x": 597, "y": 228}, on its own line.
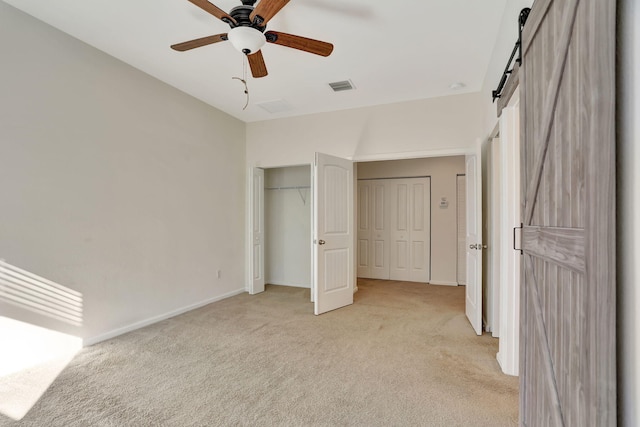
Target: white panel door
{"x": 333, "y": 225}
{"x": 379, "y": 249}
{"x": 420, "y": 229}
{"x": 373, "y": 229}
{"x": 400, "y": 232}
{"x": 364, "y": 229}
{"x": 410, "y": 231}
{"x": 462, "y": 230}
{"x": 257, "y": 231}
{"x": 473, "y": 305}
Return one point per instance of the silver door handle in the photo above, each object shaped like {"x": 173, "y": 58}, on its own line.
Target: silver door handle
{"x": 472, "y": 246}
{"x": 321, "y": 242}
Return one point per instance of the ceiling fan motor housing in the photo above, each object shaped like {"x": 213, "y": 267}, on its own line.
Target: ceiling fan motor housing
{"x": 241, "y": 14}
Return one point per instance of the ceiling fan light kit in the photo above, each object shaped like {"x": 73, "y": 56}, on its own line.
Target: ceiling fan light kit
{"x": 247, "y": 40}
{"x": 247, "y": 33}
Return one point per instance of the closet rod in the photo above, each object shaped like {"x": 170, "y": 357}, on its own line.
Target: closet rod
{"x": 287, "y": 188}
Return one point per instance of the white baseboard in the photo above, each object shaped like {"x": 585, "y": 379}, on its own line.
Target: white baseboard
{"x": 293, "y": 285}
{"x": 141, "y": 324}
{"x": 437, "y": 282}
{"x": 499, "y": 359}
{"x": 506, "y": 368}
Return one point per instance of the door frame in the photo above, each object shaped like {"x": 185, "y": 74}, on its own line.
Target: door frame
{"x": 509, "y": 344}
{"x": 507, "y": 129}
{"x": 251, "y": 279}
{"x": 355, "y": 159}
{"x": 249, "y": 222}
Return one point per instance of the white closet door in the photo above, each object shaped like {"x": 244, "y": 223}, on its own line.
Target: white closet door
{"x": 410, "y": 229}
{"x": 364, "y": 229}
{"x": 257, "y": 231}
{"x": 400, "y": 230}
{"x": 420, "y": 223}
{"x": 379, "y": 249}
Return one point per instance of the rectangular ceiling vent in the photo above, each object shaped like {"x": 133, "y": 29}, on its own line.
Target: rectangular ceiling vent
{"x": 342, "y": 86}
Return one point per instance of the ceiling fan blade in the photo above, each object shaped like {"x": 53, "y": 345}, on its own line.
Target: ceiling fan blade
{"x": 203, "y": 41}
{"x": 300, "y": 43}
{"x": 265, "y": 10}
{"x": 256, "y": 62}
{"x": 214, "y": 10}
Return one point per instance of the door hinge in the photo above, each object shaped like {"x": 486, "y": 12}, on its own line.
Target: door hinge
{"x": 514, "y": 238}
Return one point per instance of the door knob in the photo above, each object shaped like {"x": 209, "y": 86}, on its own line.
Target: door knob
{"x": 472, "y": 246}
{"x": 321, "y": 242}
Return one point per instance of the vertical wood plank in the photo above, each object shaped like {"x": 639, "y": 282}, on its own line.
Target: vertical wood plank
{"x": 600, "y": 200}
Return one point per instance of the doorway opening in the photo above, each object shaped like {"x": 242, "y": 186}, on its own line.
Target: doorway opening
{"x": 287, "y": 226}
{"x": 407, "y": 219}
{"x": 430, "y": 190}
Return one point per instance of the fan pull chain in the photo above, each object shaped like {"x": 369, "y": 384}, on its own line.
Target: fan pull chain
{"x": 244, "y": 80}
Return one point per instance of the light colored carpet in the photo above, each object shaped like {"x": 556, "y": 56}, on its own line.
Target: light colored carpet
{"x": 402, "y": 355}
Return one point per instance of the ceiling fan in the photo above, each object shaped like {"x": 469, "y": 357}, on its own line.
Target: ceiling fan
{"x": 247, "y": 34}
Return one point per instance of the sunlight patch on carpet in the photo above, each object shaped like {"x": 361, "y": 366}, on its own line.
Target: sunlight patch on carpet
{"x": 31, "y": 359}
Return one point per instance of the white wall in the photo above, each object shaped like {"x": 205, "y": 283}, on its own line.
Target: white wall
{"x": 112, "y": 183}
{"x": 628, "y": 251}
{"x": 288, "y": 226}
{"x": 439, "y": 126}
{"x": 443, "y": 172}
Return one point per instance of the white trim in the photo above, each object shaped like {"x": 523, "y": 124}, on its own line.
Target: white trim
{"x": 439, "y": 283}
{"x": 508, "y": 346}
{"x": 291, "y": 285}
{"x": 247, "y": 224}
{"x": 500, "y": 362}
{"x": 141, "y": 324}
{"x": 445, "y": 152}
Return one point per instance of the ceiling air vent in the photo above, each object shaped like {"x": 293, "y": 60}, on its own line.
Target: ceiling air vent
{"x": 342, "y": 86}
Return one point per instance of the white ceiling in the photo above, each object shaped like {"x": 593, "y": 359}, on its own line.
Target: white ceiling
{"x": 393, "y": 50}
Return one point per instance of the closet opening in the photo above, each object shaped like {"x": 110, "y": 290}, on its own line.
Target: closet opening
{"x": 287, "y": 227}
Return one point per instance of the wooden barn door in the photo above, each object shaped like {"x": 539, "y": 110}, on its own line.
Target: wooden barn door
{"x": 567, "y": 344}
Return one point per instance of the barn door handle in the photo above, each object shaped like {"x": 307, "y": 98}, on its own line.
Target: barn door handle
{"x": 514, "y": 239}
{"x": 321, "y": 242}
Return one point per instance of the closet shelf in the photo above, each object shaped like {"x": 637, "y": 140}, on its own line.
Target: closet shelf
{"x": 287, "y": 188}
{"x": 298, "y": 187}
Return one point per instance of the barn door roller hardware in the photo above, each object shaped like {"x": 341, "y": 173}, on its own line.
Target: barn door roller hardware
{"x": 522, "y": 18}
